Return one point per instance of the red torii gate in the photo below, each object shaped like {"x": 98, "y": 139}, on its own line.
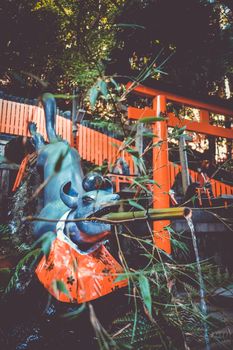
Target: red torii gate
{"x": 160, "y": 155}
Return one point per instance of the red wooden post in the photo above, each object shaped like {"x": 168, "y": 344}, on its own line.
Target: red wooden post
{"x": 14, "y": 128}
{"x": 161, "y": 175}
{"x": 88, "y": 144}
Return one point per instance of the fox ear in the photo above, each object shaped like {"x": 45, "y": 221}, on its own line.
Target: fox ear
{"x": 68, "y": 195}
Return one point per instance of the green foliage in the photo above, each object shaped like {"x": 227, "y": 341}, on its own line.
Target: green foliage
{"x": 4, "y": 230}
{"x": 151, "y": 119}
{"x": 177, "y": 132}
{"x": 146, "y": 331}
{"x": 94, "y": 92}
{"x": 216, "y": 277}
{"x": 145, "y": 292}
{"x": 59, "y": 287}
{"x": 75, "y": 313}
{"x": 168, "y": 24}
{"x": 28, "y": 261}
{"x": 45, "y": 242}
{"x": 76, "y": 40}
{"x": 135, "y": 204}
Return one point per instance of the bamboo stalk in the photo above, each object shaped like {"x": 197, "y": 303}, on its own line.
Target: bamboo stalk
{"x": 151, "y": 214}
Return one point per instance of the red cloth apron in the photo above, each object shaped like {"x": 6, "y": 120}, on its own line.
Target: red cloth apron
{"x": 71, "y": 276}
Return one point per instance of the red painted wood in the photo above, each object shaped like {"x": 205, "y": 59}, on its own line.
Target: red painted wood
{"x": 202, "y": 128}
{"x": 101, "y": 149}
{"x": 4, "y": 113}
{"x": 88, "y": 144}
{"x": 30, "y": 117}
{"x": 9, "y": 119}
{"x": 14, "y": 121}
{"x": 84, "y": 143}
{"x": 25, "y": 117}
{"x": 204, "y": 116}
{"x": 17, "y": 109}
{"x": 80, "y": 139}
{"x": 92, "y": 145}
{"x": 100, "y": 159}
{"x": 105, "y": 147}
{"x": 69, "y": 132}
{"x": 21, "y": 119}
{"x": 161, "y": 175}
{"x": 182, "y": 100}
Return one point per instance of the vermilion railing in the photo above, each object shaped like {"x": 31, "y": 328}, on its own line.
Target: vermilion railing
{"x": 218, "y": 187}
{"x": 14, "y": 119}
{"x": 93, "y": 146}
{"x": 96, "y": 147}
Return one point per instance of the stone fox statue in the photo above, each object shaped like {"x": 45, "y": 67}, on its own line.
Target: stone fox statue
{"x": 78, "y": 246}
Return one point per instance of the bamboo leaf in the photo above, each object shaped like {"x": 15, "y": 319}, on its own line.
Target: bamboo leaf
{"x": 103, "y": 88}
{"x": 149, "y": 134}
{"x": 65, "y": 96}
{"x": 94, "y": 93}
{"x": 59, "y": 286}
{"x": 181, "y": 130}
{"x": 135, "y": 182}
{"x": 157, "y": 144}
{"x": 129, "y": 25}
{"x": 28, "y": 260}
{"x": 135, "y": 204}
{"x": 117, "y": 86}
{"x": 121, "y": 277}
{"x": 133, "y": 151}
{"x": 145, "y": 292}
{"x": 75, "y": 313}
{"x": 151, "y": 119}
{"x": 45, "y": 242}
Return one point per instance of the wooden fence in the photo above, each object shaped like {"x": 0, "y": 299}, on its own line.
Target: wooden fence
{"x": 93, "y": 146}
{"x": 96, "y": 147}
{"x": 14, "y": 119}
{"x": 219, "y": 188}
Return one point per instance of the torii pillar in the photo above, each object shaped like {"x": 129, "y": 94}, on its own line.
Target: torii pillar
{"x": 161, "y": 174}
{"x": 160, "y": 166}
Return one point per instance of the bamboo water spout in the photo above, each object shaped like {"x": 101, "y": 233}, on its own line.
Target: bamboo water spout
{"x": 151, "y": 214}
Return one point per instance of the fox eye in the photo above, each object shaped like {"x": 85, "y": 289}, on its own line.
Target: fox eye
{"x": 87, "y": 200}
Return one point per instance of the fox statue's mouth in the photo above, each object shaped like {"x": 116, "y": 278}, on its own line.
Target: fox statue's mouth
{"x": 89, "y": 233}
{"x": 90, "y": 224}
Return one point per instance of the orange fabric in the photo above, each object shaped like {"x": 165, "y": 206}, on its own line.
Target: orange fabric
{"x": 85, "y": 276}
